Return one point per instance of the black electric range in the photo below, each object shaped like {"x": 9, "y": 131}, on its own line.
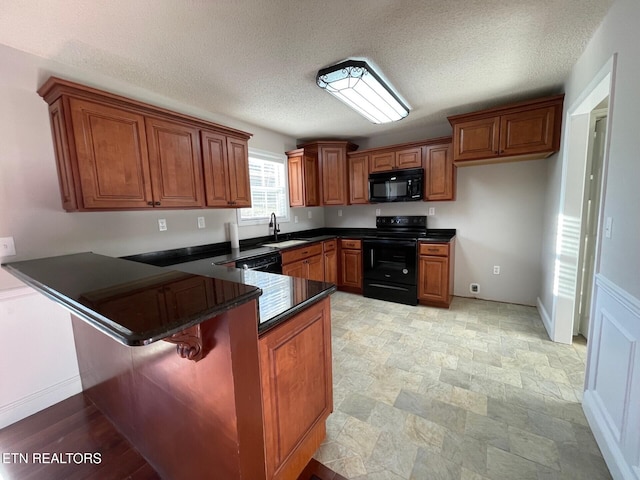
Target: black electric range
{"x": 390, "y": 259}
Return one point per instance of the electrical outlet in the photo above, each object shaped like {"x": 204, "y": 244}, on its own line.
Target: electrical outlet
{"x": 309, "y": 214}
{"x": 201, "y": 223}
{"x": 474, "y": 288}
{"x": 432, "y": 211}
{"x": 377, "y": 212}
{"x": 7, "y": 247}
{"x": 339, "y": 213}
{"x": 496, "y": 269}
{"x": 295, "y": 219}
{"x": 162, "y": 224}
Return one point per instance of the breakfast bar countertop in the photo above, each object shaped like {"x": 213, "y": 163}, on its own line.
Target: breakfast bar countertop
{"x": 137, "y": 304}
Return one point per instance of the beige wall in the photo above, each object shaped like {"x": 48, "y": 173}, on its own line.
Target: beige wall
{"x": 498, "y": 217}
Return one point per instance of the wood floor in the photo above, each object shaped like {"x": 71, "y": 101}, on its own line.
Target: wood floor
{"x": 73, "y": 440}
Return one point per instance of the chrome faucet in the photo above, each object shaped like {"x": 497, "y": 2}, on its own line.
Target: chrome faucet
{"x": 272, "y": 223}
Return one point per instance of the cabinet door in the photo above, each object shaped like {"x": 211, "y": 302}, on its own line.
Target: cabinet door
{"x": 295, "y": 269}
{"x": 113, "y": 162}
{"x": 311, "y": 180}
{"x": 216, "y": 174}
{"x": 439, "y": 173}
{"x": 381, "y": 162}
{"x": 527, "y": 132}
{"x": 174, "y": 159}
{"x": 297, "y": 392}
{"x": 433, "y": 279}
{"x": 334, "y": 172}
{"x": 315, "y": 268}
{"x": 239, "y": 181}
{"x": 296, "y": 181}
{"x": 476, "y": 139}
{"x": 351, "y": 268}
{"x": 331, "y": 266}
{"x": 409, "y": 158}
{"x": 358, "y": 180}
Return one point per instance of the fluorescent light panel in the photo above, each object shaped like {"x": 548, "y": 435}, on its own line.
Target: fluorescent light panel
{"x": 356, "y": 84}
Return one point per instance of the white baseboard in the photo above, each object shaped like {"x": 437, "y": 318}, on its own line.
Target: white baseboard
{"x": 618, "y": 467}
{"x": 546, "y": 320}
{"x": 38, "y": 401}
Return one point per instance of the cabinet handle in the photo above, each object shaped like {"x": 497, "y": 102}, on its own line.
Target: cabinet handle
{"x": 157, "y": 203}
{"x": 150, "y": 203}
{"x": 432, "y": 249}
{"x": 501, "y": 151}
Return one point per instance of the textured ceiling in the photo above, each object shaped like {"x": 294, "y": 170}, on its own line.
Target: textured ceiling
{"x": 257, "y": 60}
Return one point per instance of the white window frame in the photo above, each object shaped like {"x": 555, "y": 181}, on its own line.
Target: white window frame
{"x": 272, "y": 157}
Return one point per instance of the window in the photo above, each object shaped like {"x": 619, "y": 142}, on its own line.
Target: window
{"x": 268, "y": 175}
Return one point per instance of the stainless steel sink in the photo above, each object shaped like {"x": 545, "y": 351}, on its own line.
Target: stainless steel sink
{"x": 284, "y": 244}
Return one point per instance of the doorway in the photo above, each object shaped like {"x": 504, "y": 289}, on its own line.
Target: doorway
{"x": 590, "y": 208}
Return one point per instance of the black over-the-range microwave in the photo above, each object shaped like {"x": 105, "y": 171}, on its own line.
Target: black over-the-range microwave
{"x": 396, "y": 185}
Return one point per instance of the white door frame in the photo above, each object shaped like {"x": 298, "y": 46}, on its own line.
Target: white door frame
{"x": 570, "y": 214}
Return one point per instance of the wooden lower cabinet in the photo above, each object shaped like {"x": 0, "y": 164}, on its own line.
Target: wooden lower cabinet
{"x": 305, "y": 262}
{"x": 297, "y": 392}
{"x": 350, "y": 265}
{"x": 330, "y": 256}
{"x": 435, "y": 273}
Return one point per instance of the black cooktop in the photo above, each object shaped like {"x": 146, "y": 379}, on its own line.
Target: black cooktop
{"x": 401, "y": 226}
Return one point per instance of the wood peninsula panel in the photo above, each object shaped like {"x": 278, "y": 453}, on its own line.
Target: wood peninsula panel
{"x": 186, "y": 418}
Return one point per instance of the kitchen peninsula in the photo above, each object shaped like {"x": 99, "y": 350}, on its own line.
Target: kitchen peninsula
{"x": 207, "y": 376}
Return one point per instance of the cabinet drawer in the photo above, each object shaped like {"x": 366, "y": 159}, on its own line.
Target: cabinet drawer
{"x": 438, "y": 249}
{"x": 353, "y": 244}
{"x": 295, "y": 254}
{"x": 329, "y": 245}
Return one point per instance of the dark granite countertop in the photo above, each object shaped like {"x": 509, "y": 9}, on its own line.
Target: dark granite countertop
{"x": 282, "y": 296}
{"x": 136, "y": 304}
{"x": 221, "y": 253}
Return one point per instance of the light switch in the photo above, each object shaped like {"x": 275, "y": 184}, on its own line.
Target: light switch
{"x": 607, "y": 227}
{"x": 162, "y": 224}
{"x": 7, "y": 247}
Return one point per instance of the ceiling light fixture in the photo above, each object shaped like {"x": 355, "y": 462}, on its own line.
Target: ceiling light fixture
{"x": 355, "y": 83}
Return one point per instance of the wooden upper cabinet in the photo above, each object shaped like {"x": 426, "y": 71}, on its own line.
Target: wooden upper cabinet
{"x": 398, "y": 158}
{"x": 333, "y": 161}
{"x": 358, "y": 180}
{"x": 112, "y": 159}
{"x": 116, "y": 153}
{"x": 440, "y": 173}
{"x": 226, "y": 171}
{"x": 318, "y": 173}
{"x": 174, "y": 158}
{"x": 409, "y": 158}
{"x": 239, "y": 180}
{"x": 477, "y": 139}
{"x": 527, "y": 132}
{"x": 523, "y": 131}
{"x": 383, "y": 161}
{"x": 303, "y": 178}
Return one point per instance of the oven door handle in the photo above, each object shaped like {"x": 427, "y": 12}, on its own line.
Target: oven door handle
{"x": 387, "y": 242}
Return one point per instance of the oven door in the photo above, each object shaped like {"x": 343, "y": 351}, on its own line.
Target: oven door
{"x": 389, "y": 270}
{"x": 390, "y": 260}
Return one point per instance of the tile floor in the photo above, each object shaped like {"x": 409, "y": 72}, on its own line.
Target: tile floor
{"x": 471, "y": 393}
